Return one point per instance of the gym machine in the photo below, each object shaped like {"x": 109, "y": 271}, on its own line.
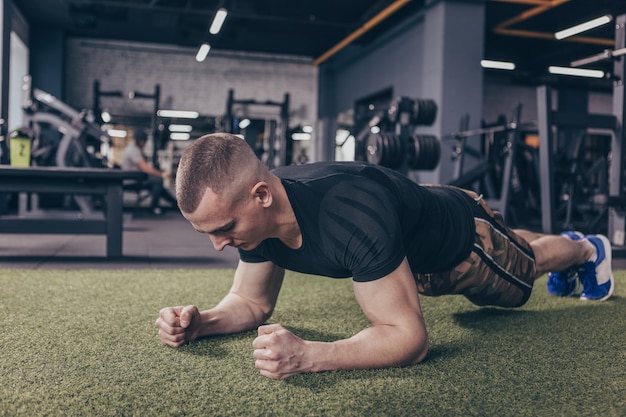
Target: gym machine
{"x": 157, "y": 138}
{"x": 156, "y": 127}
{"x": 504, "y": 166}
{"x": 574, "y": 191}
{"x": 97, "y": 95}
{"x": 389, "y": 138}
{"x": 61, "y": 135}
{"x": 277, "y": 146}
{"x": 64, "y": 137}
{"x": 614, "y": 199}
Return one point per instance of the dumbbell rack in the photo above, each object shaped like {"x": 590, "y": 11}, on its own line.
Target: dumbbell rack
{"x": 396, "y": 145}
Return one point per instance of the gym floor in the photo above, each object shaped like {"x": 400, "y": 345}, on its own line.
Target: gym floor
{"x": 166, "y": 241}
{"x": 149, "y": 241}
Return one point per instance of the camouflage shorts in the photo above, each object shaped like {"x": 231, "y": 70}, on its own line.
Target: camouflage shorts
{"x": 500, "y": 270}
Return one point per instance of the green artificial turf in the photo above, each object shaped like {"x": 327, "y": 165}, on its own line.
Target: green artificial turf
{"x": 81, "y": 343}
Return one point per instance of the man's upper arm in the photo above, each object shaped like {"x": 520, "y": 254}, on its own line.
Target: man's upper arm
{"x": 393, "y": 301}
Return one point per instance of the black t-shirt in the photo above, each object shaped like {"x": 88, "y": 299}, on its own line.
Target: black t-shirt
{"x": 360, "y": 220}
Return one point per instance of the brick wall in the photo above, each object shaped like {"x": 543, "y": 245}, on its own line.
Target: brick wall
{"x": 186, "y": 84}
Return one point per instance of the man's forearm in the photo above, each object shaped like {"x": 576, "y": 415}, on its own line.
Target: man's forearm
{"x": 374, "y": 347}
{"x": 233, "y": 314}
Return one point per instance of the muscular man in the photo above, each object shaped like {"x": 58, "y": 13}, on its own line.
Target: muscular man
{"x": 394, "y": 238}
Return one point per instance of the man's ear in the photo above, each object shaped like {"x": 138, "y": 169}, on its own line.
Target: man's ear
{"x": 261, "y": 191}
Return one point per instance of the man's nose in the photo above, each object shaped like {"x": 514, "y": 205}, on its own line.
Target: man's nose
{"x": 219, "y": 242}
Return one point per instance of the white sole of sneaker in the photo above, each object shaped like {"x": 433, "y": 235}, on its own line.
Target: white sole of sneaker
{"x": 608, "y": 294}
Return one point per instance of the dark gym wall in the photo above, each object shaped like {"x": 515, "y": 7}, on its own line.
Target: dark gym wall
{"x": 357, "y": 72}
{"x": 7, "y": 14}
{"x": 435, "y": 55}
{"x": 47, "y": 60}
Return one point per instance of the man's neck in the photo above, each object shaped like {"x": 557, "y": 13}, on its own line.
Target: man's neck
{"x": 287, "y": 224}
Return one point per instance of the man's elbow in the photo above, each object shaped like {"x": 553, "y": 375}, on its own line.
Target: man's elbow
{"x": 261, "y": 312}
{"x": 421, "y": 355}
{"x": 419, "y": 351}
{"x": 258, "y": 312}
{"x": 265, "y": 312}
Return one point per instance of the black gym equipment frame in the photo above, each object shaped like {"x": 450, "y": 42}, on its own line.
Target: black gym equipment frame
{"x": 614, "y": 123}
{"x": 480, "y": 178}
{"x": 154, "y": 123}
{"x": 279, "y": 147}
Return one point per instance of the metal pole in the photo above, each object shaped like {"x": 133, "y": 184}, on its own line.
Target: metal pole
{"x": 544, "y": 123}
{"x": 617, "y": 222}
{"x": 155, "y": 127}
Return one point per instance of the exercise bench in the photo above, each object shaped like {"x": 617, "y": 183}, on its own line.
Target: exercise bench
{"x": 78, "y": 182}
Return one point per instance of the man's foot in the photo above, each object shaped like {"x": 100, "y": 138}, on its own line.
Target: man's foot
{"x": 597, "y": 276}
{"x": 565, "y": 283}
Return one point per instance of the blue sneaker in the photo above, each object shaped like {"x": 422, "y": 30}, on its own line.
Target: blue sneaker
{"x": 565, "y": 283}
{"x": 597, "y": 276}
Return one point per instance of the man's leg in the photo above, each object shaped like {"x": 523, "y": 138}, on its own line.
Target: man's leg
{"x": 570, "y": 256}
{"x": 566, "y": 282}
{"x": 557, "y": 253}
{"x": 156, "y": 188}
{"x": 167, "y": 196}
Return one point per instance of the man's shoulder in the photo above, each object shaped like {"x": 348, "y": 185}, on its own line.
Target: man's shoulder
{"x": 133, "y": 150}
{"x": 321, "y": 170}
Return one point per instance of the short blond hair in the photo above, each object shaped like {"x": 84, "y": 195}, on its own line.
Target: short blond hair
{"x": 222, "y": 162}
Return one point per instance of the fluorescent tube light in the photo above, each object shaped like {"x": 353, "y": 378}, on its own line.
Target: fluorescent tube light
{"x": 301, "y": 136}
{"x": 485, "y": 63}
{"x": 583, "y": 27}
{"x": 218, "y": 21}
{"x": 578, "y": 72}
{"x": 105, "y": 116}
{"x": 117, "y": 133}
{"x": 181, "y": 114}
{"x": 244, "y": 123}
{"x": 203, "y": 51}
{"x": 180, "y": 136}
{"x": 180, "y": 128}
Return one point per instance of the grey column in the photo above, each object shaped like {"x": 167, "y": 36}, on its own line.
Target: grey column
{"x": 452, "y": 75}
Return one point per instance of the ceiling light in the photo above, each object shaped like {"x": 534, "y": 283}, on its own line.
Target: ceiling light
{"x": 181, "y": 114}
{"x": 307, "y": 129}
{"x": 117, "y": 133}
{"x": 218, "y": 21}
{"x": 485, "y": 63}
{"x": 203, "y": 51}
{"x": 244, "y": 123}
{"x": 576, "y": 72}
{"x": 180, "y": 136}
{"x": 375, "y": 129}
{"x": 180, "y": 128}
{"x": 583, "y": 27}
{"x": 301, "y": 136}
{"x": 105, "y": 116}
